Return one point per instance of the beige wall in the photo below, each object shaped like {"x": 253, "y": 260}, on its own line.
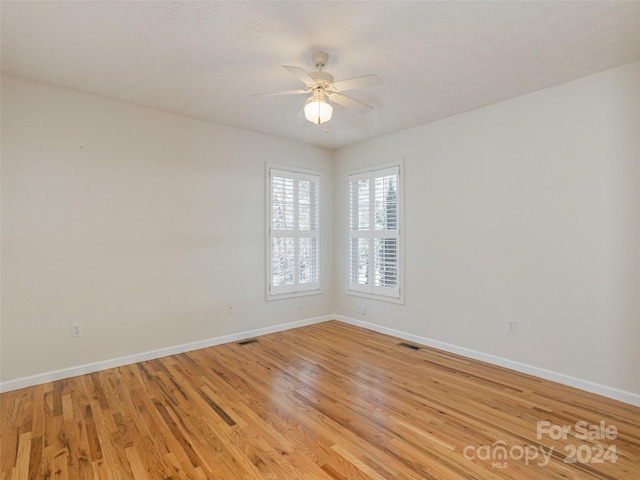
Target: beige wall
{"x": 143, "y": 225}
{"x": 528, "y": 210}
{"x": 140, "y": 224}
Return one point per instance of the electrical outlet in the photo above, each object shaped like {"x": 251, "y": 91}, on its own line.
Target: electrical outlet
{"x": 511, "y": 326}
{"x": 229, "y": 307}
{"x": 76, "y": 329}
{"x": 300, "y": 308}
{"x": 363, "y": 309}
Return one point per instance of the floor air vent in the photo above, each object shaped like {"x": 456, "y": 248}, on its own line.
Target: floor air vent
{"x": 248, "y": 342}
{"x": 408, "y": 345}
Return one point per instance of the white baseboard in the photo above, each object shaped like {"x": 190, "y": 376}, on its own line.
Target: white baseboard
{"x": 604, "y": 390}
{"x": 162, "y": 352}
{"x": 611, "y": 392}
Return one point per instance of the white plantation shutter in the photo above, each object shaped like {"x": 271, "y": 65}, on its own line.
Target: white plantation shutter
{"x": 374, "y": 232}
{"x": 294, "y": 232}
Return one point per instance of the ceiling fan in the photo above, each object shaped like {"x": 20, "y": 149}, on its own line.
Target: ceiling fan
{"x": 321, "y": 86}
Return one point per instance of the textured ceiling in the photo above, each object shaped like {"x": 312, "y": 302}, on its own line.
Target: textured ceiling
{"x": 204, "y": 59}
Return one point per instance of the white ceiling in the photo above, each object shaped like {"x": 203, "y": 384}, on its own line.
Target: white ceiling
{"x": 204, "y": 59}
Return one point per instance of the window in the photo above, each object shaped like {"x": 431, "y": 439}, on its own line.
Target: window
{"x": 374, "y": 232}
{"x": 294, "y": 233}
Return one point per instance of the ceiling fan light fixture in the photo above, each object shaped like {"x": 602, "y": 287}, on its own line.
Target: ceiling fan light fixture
{"x": 321, "y": 86}
{"x": 317, "y": 110}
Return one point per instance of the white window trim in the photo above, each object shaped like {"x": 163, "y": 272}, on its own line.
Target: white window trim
{"x": 298, "y": 290}
{"x": 378, "y": 293}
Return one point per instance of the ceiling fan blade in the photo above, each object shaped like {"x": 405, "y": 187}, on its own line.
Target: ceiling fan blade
{"x": 350, "y": 103}
{"x": 301, "y": 74}
{"x": 358, "y": 82}
{"x": 288, "y": 92}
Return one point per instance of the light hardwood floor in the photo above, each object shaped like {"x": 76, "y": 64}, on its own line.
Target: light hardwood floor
{"x": 328, "y": 401}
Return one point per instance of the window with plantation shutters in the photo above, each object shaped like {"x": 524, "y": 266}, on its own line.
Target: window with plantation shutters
{"x": 294, "y": 233}
{"x": 374, "y": 232}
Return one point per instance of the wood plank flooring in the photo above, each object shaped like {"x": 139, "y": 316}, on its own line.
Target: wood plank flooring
{"x": 328, "y": 401}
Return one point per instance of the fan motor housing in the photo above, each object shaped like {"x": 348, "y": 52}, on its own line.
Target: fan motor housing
{"x": 322, "y": 77}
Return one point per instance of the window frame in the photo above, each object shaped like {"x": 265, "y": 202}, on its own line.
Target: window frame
{"x": 373, "y": 291}
{"x": 297, "y": 289}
